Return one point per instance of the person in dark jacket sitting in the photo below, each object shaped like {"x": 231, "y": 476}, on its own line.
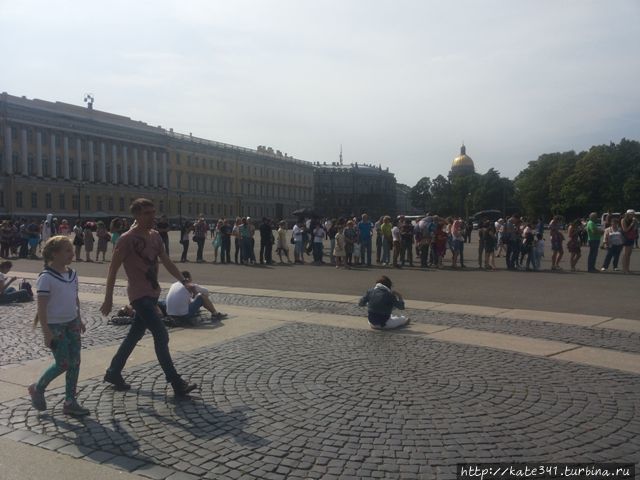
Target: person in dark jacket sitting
{"x": 381, "y": 300}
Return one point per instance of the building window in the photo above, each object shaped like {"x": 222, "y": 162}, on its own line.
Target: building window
{"x": 30, "y": 169}
{"x": 122, "y": 204}
{"x": 161, "y": 206}
{"x": 178, "y": 158}
{"x": 48, "y": 203}
{"x": 58, "y": 166}
{"x": 19, "y": 199}
{"x": 61, "y": 202}
{"x": 45, "y": 166}
{"x": 1, "y": 199}
{"x": 110, "y": 204}
{"x": 74, "y": 202}
{"x": 87, "y": 202}
{"x": 99, "y": 203}
{"x": 190, "y": 208}
{"x": 34, "y": 199}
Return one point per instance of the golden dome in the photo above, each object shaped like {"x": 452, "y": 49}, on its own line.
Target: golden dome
{"x": 462, "y": 161}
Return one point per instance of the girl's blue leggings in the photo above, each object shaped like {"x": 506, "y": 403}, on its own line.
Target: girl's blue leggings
{"x": 66, "y": 352}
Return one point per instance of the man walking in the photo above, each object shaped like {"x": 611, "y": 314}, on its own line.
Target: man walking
{"x": 139, "y": 249}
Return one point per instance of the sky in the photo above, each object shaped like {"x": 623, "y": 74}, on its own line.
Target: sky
{"x": 400, "y": 83}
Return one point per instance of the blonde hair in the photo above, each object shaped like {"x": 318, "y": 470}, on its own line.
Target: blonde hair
{"x": 53, "y": 245}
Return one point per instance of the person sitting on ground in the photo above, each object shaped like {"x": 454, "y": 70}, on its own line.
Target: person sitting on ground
{"x": 9, "y": 294}
{"x": 184, "y": 301}
{"x": 381, "y": 300}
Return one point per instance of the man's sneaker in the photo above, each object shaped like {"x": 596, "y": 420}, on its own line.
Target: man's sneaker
{"x": 181, "y": 388}
{"x": 117, "y": 381}
{"x": 75, "y": 409}
{"x": 218, "y": 316}
{"x": 37, "y": 398}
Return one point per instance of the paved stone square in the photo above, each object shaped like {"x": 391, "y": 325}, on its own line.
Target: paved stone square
{"x": 308, "y": 401}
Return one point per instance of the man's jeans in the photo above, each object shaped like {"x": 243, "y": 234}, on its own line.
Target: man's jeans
{"x": 365, "y": 246}
{"x": 146, "y": 318}
{"x": 593, "y": 254}
{"x": 200, "y": 242}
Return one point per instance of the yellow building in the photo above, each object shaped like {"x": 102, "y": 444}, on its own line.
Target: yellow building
{"x": 75, "y": 161}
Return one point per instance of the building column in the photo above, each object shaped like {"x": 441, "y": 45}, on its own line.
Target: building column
{"x": 145, "y": 168}
{"x": 114, "y": 164}
{"x": 39, "y": 154}
{"x": 154, "y": 180}
{"x": 103, "y": 162}
{"x": 8, "y": 151}
{"x": 65, "y": 157}
{"x": 53, "y": 164}
{"x": 165, "y": 171}
{"x": 125, "y": 166}
{"x": 91, "y": 159}
{"x": 79, "y": 160}
{"x": 136, "y": 176}
{"x": 24, "y": 157}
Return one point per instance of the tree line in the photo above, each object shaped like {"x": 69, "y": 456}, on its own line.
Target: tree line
{"x": 603, "y": 178}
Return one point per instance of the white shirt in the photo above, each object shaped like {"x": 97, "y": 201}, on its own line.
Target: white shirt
{"x": 395, "y": 233}
{"x": 62, "y": 290}
{"x": 297, "y": 233}
{"x": 178, "y": 300}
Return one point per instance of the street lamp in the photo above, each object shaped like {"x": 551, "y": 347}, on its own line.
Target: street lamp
{"x": 79, "y": 186}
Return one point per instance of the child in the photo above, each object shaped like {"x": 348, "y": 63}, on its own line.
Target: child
{"x": 339, "y": 251}
{"x": 59, "y": 316}
{"x": 381, "y": 301}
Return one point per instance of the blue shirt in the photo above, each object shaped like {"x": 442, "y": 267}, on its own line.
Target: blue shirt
{"x": 365, "y": 230}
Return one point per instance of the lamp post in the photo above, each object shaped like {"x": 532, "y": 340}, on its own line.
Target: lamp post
{"x": 79, "y": 186}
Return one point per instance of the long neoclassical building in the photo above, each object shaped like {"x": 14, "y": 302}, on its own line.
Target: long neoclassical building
{"x": 77, "y": 161}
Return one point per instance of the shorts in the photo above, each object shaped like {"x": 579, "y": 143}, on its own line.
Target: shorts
{"x": 557, "y": 247}
{"x": 194, "y": 306}
{"x": 629, "y": 242}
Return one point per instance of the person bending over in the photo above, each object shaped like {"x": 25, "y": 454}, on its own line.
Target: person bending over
{"x": 381, "y": 300}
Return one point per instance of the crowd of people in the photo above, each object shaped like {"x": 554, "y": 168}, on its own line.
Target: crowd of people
{"x": 347, "y": 242}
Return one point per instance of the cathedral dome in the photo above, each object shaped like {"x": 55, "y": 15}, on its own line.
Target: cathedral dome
{"x": 463, "y": 163}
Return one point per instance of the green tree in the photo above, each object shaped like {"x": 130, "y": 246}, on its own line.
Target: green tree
{"x": 420, "y": 194}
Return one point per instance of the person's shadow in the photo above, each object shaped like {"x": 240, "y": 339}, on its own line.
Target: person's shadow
{"x": 204, "y": 421}
{"x": 88, "y": 433}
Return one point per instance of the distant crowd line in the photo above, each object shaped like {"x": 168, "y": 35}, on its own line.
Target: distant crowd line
{"x": 397, "y": 243}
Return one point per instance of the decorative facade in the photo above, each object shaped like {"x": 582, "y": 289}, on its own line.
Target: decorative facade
{"x": 76, "y": 161}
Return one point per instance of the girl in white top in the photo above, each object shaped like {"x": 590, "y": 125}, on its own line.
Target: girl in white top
{"x": 281, "y": 244}
{"x": 59, "y": 317}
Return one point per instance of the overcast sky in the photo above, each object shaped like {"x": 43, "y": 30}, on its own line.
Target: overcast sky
{"x": 399, "y": 83}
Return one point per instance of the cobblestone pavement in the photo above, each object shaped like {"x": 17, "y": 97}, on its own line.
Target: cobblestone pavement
{"x": 20, "y": 342}
{"x": 306, "y": 401}
{"x": 588, "y": 336}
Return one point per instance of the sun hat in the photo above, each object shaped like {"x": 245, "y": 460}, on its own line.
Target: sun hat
{"x": 631, "y": 211}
